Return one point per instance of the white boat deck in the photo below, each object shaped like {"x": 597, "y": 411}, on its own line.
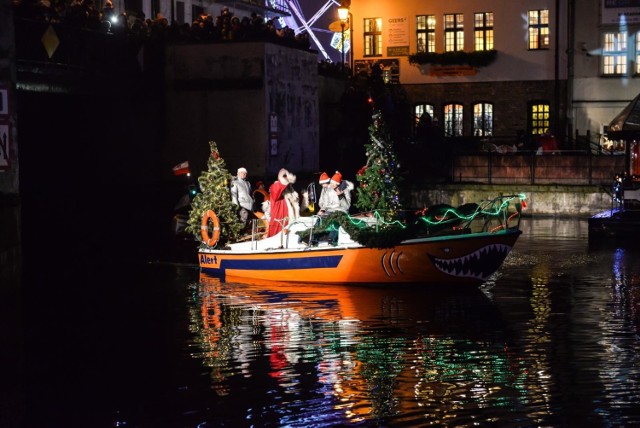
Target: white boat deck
{"x": 291, "y": 240}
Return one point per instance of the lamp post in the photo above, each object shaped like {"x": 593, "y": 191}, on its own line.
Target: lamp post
{"x": 343, "y": 15}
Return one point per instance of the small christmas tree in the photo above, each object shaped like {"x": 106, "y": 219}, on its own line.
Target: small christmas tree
{"x": 378, "y": 179}
{"x": 216, "y": 196}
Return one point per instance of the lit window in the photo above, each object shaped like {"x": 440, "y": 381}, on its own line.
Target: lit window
{"x": 426, "y": 33}
{"x": 482, "y": 119}
{"x": 614, "y": 54}
{"x": 421, "y": 109}
{"x": 539, "y": 118}
{"x": 373, "y": 37}
{"x": 638, "y": 52}
{"x": 453, "y": 120}
{"x": 483, "y": 31}
{"x": 539, "y": 29}
{"x": 453, "y": 32}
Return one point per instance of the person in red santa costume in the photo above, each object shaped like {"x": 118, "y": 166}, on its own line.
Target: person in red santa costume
{"x": 278, "y": 203}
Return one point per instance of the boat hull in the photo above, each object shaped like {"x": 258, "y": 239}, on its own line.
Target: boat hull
{"x": 461, "y": 259}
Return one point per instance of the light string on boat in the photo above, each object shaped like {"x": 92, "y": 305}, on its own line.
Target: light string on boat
{"x": 488, "y": 208}
{"x": 495, "y": 210}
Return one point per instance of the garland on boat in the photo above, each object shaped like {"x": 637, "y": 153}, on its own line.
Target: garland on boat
{"x": 436, "y": 220}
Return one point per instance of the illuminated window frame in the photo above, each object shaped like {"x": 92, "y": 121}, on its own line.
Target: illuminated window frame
{"x": 453, "y": 32}
{"x": 539, "y": 29}
{"x": 482, "y": 119}
{"x": 426, "y": 33}
{"x": 420, "y": 109}
{"x": 373, "y": 37}
{"x": 483, "y": 31}
{"x": 539, "y": 117}
{"x": 453, "y": 116}
{"x": 615, "y": 54}
{"x": 638, "y": 52}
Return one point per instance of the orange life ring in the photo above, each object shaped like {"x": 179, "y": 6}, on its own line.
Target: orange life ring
{"x": 204, "y": 228}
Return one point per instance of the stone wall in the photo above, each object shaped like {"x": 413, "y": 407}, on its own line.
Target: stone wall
{"x": 235, "y": 94}
{"x": 543, "y": 200}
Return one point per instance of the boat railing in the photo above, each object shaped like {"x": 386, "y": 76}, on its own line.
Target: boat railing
{"x": 490, "y": 215}
{"x": 288, "y": 227}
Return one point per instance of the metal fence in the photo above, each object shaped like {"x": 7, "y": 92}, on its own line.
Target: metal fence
{"x": 560, "y": 167}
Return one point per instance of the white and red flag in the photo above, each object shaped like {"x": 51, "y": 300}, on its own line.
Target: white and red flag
{"x": 181, "y": 168}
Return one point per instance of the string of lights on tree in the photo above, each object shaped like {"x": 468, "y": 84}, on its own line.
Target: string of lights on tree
{"x": 379, "y": 178}
{"x": 215, "y": 195}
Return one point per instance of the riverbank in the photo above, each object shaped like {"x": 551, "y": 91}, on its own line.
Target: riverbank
{"x": 580, "y": 201}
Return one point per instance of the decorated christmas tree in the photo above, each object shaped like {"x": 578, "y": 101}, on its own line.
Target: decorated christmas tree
{"x": 378, "y": 179}
{"x": 215, "y": 195}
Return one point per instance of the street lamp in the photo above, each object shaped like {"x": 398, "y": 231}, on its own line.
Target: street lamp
{"x": 343, "y": 15}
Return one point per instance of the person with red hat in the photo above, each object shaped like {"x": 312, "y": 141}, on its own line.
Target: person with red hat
{"x": 324, "y": 184}
{"x": 324, "y": 178}
{"x": 334, "y": 197}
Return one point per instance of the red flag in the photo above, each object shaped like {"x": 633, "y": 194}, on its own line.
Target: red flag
{"x": 181, "y": 168}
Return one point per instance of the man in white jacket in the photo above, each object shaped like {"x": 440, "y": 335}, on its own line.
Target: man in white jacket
{"x": 241, "y": 195}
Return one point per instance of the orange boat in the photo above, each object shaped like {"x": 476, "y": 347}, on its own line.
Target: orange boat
{"x": 466, "y": 249}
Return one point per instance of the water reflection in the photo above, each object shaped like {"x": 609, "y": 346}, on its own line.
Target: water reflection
{"x": 580, "y": 328}
{"x": 551, "y": 340}
{"x": 338, "y": 354}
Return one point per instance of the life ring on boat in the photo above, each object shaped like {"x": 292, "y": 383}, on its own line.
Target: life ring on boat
{"x": 204, "y": 228}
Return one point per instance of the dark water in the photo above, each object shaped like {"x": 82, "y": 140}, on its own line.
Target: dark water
{"x": 551, "y": 340}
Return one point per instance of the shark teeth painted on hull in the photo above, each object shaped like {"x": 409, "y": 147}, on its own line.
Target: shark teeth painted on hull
{"x": 479, "y": 265}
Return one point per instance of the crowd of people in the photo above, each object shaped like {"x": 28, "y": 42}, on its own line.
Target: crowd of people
{"x": 204, "y": 27}
{"x": 280, "y": 203}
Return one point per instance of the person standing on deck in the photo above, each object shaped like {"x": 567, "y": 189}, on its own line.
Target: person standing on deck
{"x": 241, "y": 196}
{"x": 278, "y": 204}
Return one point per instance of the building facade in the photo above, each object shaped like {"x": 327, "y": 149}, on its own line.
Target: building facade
{"x": 563, "y": 65}
{"x": 605, "y": 67}
{"x": 478, "y": 68}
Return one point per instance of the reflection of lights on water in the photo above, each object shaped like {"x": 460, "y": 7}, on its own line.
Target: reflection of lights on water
{"x": 618, "y": 268}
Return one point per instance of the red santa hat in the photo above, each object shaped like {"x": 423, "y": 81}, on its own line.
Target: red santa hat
{"x": 324, "y": 178}
{"x": 337, "y": 178}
